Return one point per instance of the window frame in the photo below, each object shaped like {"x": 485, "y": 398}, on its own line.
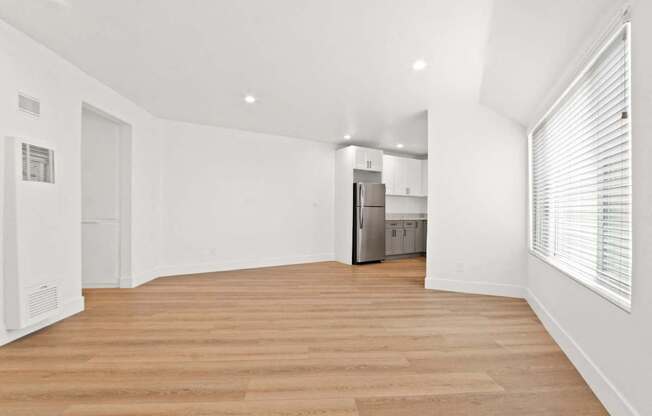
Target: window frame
{"x": 620, "y": 301}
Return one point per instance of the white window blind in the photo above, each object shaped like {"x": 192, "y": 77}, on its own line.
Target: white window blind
{"x": 580, "y": 169}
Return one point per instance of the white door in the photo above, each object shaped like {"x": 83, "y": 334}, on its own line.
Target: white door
{"x": 100, "y": 201}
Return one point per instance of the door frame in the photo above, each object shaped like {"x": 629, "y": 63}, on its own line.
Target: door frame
{"x": 124, "y": 191}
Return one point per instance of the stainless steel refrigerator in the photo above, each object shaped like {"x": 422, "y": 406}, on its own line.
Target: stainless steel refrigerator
{"x": 368, "y": 222}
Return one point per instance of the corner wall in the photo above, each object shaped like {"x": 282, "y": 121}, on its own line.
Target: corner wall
{"x": 29, "y": 67}
{"x": 476, "y": 192}
{"x": 234, "y": 199}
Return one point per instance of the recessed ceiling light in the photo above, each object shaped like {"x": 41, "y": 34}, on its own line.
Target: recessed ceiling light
{"x": 400, "y": 145}
{"x": 419, "y": 65}
{"x": 249, "y": 99}
{"x": 347, "y": 137}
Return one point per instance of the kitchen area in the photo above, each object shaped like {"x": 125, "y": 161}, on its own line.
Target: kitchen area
{"x": 380, "y": 205}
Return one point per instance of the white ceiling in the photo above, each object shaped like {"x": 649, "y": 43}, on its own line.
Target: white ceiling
{"x": 531, "y": 44}
{"x": 320, "y": 69}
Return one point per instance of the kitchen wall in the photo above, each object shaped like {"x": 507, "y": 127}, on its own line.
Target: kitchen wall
{"x": 476, "y": 191}
{"x": 406, "y": 205}
{"x": 613, "y": 348}
{"x": 234, "y": 199}
{"x": 62, "y": 88}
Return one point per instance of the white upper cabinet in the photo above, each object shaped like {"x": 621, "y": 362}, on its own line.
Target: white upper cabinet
{"x": 412, "y": 177}
{"x": 424, "y": 177}
{"x": 402, "y": 176}
{"x": 368, "y": 159}
{"x": 389, "y": 169}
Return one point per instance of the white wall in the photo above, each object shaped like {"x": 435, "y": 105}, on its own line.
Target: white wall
{"x": 613, "y": 348}
{"x": 62, "y": 88}
{"x": 234, "y": 199}
{"x": 476, "y": 191}
{"x": 405, "y": 205}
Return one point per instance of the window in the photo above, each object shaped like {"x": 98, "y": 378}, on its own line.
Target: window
{"x": 580, "y": 177}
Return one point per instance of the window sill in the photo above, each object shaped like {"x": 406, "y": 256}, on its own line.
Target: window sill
{"x": 617, "y": 300}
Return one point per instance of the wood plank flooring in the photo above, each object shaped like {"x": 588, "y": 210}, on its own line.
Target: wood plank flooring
{"x": 318, "y": 339}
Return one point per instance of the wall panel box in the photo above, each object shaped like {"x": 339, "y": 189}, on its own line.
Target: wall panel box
{"x": 30, "y": 217}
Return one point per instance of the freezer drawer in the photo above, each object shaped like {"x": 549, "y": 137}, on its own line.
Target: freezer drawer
{"x": 369, "y": 234}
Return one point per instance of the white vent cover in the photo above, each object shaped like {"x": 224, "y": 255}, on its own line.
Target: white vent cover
{"x": 42, "y": 300}
{"x": 29, "y": 105}
{"x": 38, "y": 163}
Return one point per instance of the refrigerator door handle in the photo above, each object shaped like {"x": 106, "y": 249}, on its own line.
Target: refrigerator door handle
{"x": 361, "y": 206}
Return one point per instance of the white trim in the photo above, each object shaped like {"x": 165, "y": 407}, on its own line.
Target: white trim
{"x": 609, "y": 23}
{"x": 101, "y": 285}
{"x": 242, "y": 264}
{"x": 620, "y": 301}
{"x": 477, "y": 288}
{"x": 139, "y": 279}
{"x": 612, "y": 399}
{"x": 69, "y": 308}
{"x": 625, "y": 27}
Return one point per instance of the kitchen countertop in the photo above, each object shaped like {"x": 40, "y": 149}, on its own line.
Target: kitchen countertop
{"x": 404, "y": 217}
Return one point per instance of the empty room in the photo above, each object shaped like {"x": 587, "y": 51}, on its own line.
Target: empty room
{"x": 325, "y": 207}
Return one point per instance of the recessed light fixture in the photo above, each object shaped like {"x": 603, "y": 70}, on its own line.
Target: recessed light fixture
{"x": 249, "y": 99}
{"x": 347, "y": 137}
{"x": 419, "y": 65}
{"x": 400, "y": 145}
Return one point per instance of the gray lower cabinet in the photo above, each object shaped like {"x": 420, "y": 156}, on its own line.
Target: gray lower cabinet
{"x": 409, "y": 243}
{"x": 393, "y": 241}
{"x": 404, "y": 237}
{"x": 420, "y": 243}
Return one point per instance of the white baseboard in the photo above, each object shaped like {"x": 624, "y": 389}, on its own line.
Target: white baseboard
{"x": 476, "y": 288}
{"x": 68, "y": 309}
{"x": 100, "y": 285}
{"x": 126, "y": 283}
{"x": 138, "y": 279}
{"x": 607, "y": 393}
{"x": 242, "y": 264}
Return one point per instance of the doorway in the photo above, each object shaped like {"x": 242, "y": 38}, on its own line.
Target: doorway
{"x": 106, "y": 201}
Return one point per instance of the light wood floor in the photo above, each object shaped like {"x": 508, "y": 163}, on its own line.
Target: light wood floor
{"x": 314, "y": 340}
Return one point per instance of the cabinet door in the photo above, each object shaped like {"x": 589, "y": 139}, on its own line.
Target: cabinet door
{"x": 393, "y": 241}
{"x": 409, "y": 240}
{"x": 375, "y": 158}
{"x": 389, "y": 171}
{"x": 412, "y": 177}
{"x": 368, "y": 159}
{"x": 400, "y": 168}
{"x": 361, "y": 158}
{"x": 397, "y": 242}
{"x": 389, "y": 234}
{"x": 420, "y": 244}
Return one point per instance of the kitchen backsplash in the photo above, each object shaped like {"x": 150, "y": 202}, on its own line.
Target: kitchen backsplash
{"x": 406, "y": 205}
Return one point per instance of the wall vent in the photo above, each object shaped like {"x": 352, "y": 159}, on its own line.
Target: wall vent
{"x": 38, "y": 163}
{"x": 43, "y": 300}
{"x": 29, "y": 105}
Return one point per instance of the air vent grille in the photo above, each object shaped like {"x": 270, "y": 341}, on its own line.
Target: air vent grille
{"x": 42, "y": 301}
{"x": 38, "y": 163}
{"x": 29, "y": 105}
